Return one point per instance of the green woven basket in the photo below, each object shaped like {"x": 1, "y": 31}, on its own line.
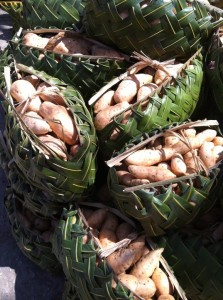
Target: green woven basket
{"x": 213, "y": 64}
{"x": 85, "y": 268}
{"x": 173, "y": 101}
{"x": 161, "y": 29}
{"x": 159, "y": 206}
{"x": 30, "y": 243}
{"x": 69, "y": 292}
{"x": 60, "y": 13}
{"x": 86, "y": 72}
{"x": 34, "y": 199}
{"x": 63, "y": 181}
{"x": 198, "y": 268}
{"x": 14, "y": 9}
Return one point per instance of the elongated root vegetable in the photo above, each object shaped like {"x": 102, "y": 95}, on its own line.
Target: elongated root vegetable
{"x": 111, "y": 222}
{"x": 145, "y": 91}
{"x": 128, "y": 87}
{"x": 145, "y": 267}
{"x": 123, "y": 230}
{"x": 104, "y": 102}
{"x": 162, "y": 283}
{"x": 107, "y": 237}
{"x": 97, "y": 218}
{"x": 104, "y": 51}
{"x": 35, "y": 123}
{"x": 128, "y": 179}
{"x": 146, "y": 288}
{"x": 151, "y": 173}
{"x": 166, "y": 297}
{"x": 129, "y": 281}
{"x": 24, "y": 92}
{"x": 55, "y": 145}
{"x": 60, "y": 122}
{"x": 50, "y": 93}
{"x": 206, "y": 155}
{"x": 34, "y": 40}
{"x": 103, "y": 118}
{"x": 178, "y": 165}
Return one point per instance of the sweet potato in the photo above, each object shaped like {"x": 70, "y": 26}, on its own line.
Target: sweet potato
{"x": 36, "y": 123}
{"x": 105, "y": 101}
{"x": 121, "y": 260}
{"x": 206, "y": 155}
{"x": 50, "y": 93}
{"x": 33, "y": 40}
{"x": 160, "y": 77}
{"x": 178, "y": 165}
{"x": 33, "y": 79}
{"x": 128, "y": 179}
{"x": 145, "y": 91}
{"x": 55, "y": 145}
{"x": 128, "y": 281}
{"x": 189, "y": 132}
{"x": 127, "y": 88}
{"x": 107, "y": 237}
{"x": 24, "y": 92}
{"x": 97, "y": 50}
{"x": 145, "y": 267}
{"x": 218, "y": 153}
{"x": 60, "y": 122}
{"x": 218, "y": 141}
{"x": 138, "y": 244}
{"x": 97, "y": 218}
{"x": 190, "y": 160}
{"x": 104, "y": 117}
{"x": 145, "y": 288}
{"x": 164, "y": 165}
{"x": 111, "y": 222}
{"x": 162, "y": 282}
{"x": 152, "y": 173}
{"x": 123, "y": 230}
{"x": 171, "y": 140}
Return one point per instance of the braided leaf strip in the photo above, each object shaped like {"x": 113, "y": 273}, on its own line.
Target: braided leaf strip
{"x": 176, "y": 103}
{"x": 199, "y": 269}
{"x": 87, "y": 73}
{"x": 60, "y": 13}
{"x": 63, "y": 180}
{"x": 161, "y": 29}
{"x": 14, "y": 9}
{"x": 29, "y": 243}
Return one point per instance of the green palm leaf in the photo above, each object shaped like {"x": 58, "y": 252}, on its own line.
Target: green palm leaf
{"x": 31, "y": 244}
{"x": 14, "y": 9}
{"x": 161, "y": 29}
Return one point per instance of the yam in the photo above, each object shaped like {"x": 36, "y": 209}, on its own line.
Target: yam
{"x": 60, "y": 122}
{"x": 152, "y": 173}
{"x": 97, "y": 218}
{"x": 68, "y": 45}
{"x": 145, "y": 91}
{"x": 128, "y": 88}
{"x": 36, "y": 123}
{"x": 104, "y": 102}
{"x": 160, "y": 77}
{"x": 103, "y": 118}
{"x": 162, "y": 282}
{"x": 129, "y": 281}
{"x": 145, "y": 267}
{"x": 218, "y": 141}
{"x": 178, "y": 165}
{"x": 97, "y": 50}
{"x": 206, "y": 155}
{"x": 50, "y": 93}
{"x": 33, "y": 40}
{"x": 121, "y": 260}
{"x": 123, "y": 230}
{"x": 166, "y": 297}
{"x": 55, "y": 145}
{"x": 146, "y": 288}
{"x": 24, "y": 92}
{"x": 138, "y": 244}
{"x": 107, "y": 237}
{"x": 128, "y": 179}
{"x": 111, "y": 222}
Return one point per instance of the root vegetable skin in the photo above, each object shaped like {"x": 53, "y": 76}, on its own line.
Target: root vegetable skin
{"x": 129, "y": 281}
{"x": 121, "y": 260}
{"x": 146, "y": 288}
{"x": 22, "y": 90}
{"x": 218, "y": 141}
{"x": 146, "y": 90}
{"x": 104, "y": 102}
{"x": 166, "y": 297}
{"x": 127, "y": 88}
{"x": 103, "y": 118}
{"x": 218, "y": 152}
{"x": 60, "y": 122}
{"x": 33, "y": 40}
{"x": 55, "y": 145}
{"x": 107, "y": 237}
{"x": 36, "y": 123}
{"x": 97, "y": 218}
{"x": 145, "y": 267}
{"x": 128, "y": 179}
{"x": 151, "y": 173}
{"x": 178, "y": 165}
{"x": 111, "y": 222}
{"x": 123, "y": 230}
{"x": 162, "y": 283}
{"x": 102, "y": 51}
{"x": 138, "y": 244}
{"x": 34, "y": 80}
{"x": 206, "y": 155}
{"x": 50, "y": 93}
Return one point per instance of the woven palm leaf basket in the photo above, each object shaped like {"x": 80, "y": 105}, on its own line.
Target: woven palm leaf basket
{"x": 31, "y": 233}
{"x": 60, "y": 13}
{"x": 34, "y": 199}
{"x": 146, "y": 186}
{"x": 149, "y": 95}
{"x": 58, "y": 155}
{"x": 14, "y": 9}
{"x": 214, "y": 72}
{"x": 100, "y": 251}
{"x": 195, "y": 255}
{"x": 69, "y": 56}
{"x": 161, "y": 29}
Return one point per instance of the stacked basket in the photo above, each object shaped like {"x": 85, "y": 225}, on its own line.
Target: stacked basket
{"x": 129, "y": 77}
